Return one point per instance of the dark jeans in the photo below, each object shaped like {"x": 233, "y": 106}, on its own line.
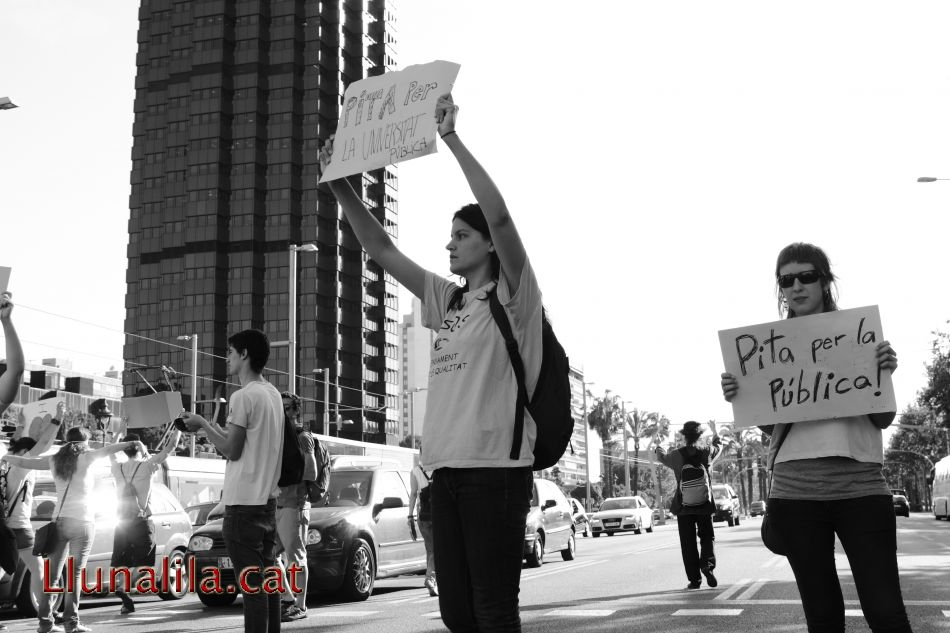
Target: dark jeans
{"x": 250, "y": 536}
{"x": 478, "y": 520}
{"x": 705, "y": 557}
{"x": 868, "y": 532}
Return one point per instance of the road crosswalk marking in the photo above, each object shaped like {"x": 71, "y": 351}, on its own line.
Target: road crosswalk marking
{"x": 340, "y": 614}
{"x": 558, "y": 570}
{"x": 587, "y": 613}
{"x": 751, "y": 591}
{"x": 705, "y": 612}
{"x": 725, "y": 595}
{"x": 853, "y": 613}
{"x": 946, "y": 614}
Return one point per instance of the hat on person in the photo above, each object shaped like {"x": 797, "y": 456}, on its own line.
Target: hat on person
{"x": 692, "y": 428}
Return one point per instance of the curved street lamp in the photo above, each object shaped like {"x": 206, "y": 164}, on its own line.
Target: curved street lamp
{"x": 930, "y": 179}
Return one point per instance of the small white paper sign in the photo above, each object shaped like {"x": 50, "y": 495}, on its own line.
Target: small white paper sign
{"x": 4, "y": 278}
{"x": 808, "y": 368}
{"x": 389, "y": 118}
{"x": 157, "y": 409}
{"x": 39, "y": 410}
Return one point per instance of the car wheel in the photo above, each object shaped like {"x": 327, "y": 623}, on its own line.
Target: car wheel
{"x": 730, "y": 521}
{"x": 736, "y": 520}
{"x": 639, "y": 528}
{"x": 176, "y": 590}
{"x": 536, "y": 557}
{"x": 217, "y": 599}
{"x": 610, "y": 533}
{"x": 650, "y": 529}
{"x": 568, "y": 552}
{"x": 360, "y": 573}
{"x": 587, "y": 531}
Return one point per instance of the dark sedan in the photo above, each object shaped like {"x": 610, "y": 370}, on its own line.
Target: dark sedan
{"x": 901, "y": 507}
{"x": 359, "y": 535}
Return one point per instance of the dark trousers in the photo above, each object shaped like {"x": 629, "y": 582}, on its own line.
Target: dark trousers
{"x": 867, "y": 530}
{"x": 250, "y": 536}
{"x": 705, "y": 557}
{"x": 478, "y": 520}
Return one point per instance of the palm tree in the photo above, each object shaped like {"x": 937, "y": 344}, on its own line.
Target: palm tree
{"x": 643, "y": 424}
{"x": 604, "y": 418}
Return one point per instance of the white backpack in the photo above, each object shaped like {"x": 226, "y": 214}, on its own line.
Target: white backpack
{"x": 695, "y": 489}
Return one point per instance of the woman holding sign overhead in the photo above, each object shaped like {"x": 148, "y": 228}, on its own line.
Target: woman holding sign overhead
{"x": 479, "y": 493}
{"x": 828, "y": 480}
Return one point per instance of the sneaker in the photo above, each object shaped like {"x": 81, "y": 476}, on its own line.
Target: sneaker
{"x": 293, "y": 613}
{"x": 710, "y": 579}
{"x": 695, "y": 584}
{"x": 78, "y": 627}
{"x": 58, "y": 618}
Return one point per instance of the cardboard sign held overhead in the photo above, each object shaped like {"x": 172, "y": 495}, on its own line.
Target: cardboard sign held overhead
{"x": 157, "y": 409}
{"x": 4, "y": 278}
{"x": 808, "y": 368}
{"x": 38, "y": 420}
{"x": 389, "y": 118}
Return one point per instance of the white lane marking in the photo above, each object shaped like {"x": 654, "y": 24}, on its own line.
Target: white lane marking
{"x": 432, "y": 614}
{"x": 557, "y": 570}
{"x": 725, "y": 595}
{"x": 401, "y": 600}
{"x": 340, "y": 614}
{"x": 946, "y": 614}
{"x": 591, "y": 613}
{"x": 853, "y": 613}
{"x": 705, "y": 612}
{"x": 748, "y": 593}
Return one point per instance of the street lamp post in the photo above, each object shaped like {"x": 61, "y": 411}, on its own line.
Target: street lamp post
{"x": 292, "y": 314}
{"x": 326, "y": 397}
{"x": 626, "y": 465}
{"x": 930, "y": 179}
{"x": 194, "y": 381}
{"x": 412, "y": 415}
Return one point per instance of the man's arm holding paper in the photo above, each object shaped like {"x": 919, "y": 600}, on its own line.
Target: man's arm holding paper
{"x": 10, "y": 379}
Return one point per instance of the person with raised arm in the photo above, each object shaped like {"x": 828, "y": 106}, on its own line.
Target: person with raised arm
{"x": 133, "y": 543}
{"x": 10, "y": 379}
{"x": 480, "y": 493}
{"x": 74, "y": 516}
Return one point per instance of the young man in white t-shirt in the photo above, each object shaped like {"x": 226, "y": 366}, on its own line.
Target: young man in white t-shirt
{"x": 252, "y": 443}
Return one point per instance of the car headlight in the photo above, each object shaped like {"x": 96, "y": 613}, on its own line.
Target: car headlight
{"x": 313, "y": 536}
{"x": 631, "y": 517}
{"x": 200, "y": 543}
{"x": 595, "y": 520}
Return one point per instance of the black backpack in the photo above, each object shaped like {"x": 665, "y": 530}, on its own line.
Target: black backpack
{"x": 425, "y": 500}
{"x": 292, "y": 462}
{"x": 550, "y": 407}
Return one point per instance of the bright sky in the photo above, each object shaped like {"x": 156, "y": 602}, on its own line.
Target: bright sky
{"x": 655, "y": 157}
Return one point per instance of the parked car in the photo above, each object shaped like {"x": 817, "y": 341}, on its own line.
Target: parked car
{"x": 168, "y": 518}
{"x": 198, "y": 513}
{"x": 757, "y": 508}
{"x": 622, "y": 514}
{"x": 550, "y": 524}
{"x": 581, "y": 521}
{"x": 727, "y": 504}
{"x": 901, "y": 507}
{"x": 359, "y": 535}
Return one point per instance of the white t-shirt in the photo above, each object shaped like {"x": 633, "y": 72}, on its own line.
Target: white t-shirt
{"x": 855, "y": 437}
{"x": 252, "y": 479}
{"x": 470, "y": 410}
{"x": 73, "y": 495}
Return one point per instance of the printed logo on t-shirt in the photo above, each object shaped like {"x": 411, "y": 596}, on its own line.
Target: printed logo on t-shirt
{"x": 447, "y": 363}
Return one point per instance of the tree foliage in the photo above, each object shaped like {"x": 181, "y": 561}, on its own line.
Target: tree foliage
{"x": 936, "y": 395}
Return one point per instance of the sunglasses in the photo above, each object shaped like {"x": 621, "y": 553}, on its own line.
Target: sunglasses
{"x": 806, "y": 277}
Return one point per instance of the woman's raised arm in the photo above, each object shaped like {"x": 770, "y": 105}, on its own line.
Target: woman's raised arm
{"x": 375, "y": 240}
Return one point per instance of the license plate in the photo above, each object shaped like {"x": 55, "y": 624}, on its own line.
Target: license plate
{"x": 224, "y": 562}
{"x": 611, "y": 522}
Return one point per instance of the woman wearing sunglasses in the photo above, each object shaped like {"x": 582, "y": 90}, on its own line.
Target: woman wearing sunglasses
{"x": 827, "y": 480}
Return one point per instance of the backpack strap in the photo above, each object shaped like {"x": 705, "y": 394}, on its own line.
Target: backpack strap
{"x": 517, "y": 364}
{"x": 20, "y": 496}
{"x": 129, "y": 482}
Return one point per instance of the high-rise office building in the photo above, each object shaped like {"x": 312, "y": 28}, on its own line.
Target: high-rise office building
{"x": 415, "y": 352}
{"x": 232, "y": 101}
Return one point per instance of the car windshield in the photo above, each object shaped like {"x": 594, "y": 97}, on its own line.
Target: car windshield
{"x": 720, "y": 493}
{"x": 349, "y": 488}
{"x": 619, "y": 504}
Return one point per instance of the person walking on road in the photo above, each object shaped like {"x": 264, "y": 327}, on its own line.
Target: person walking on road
{"x": 293, "y": 520}
{"x": 252, "y": 442}
{"x": 480, "y": 493}
{"x": 692, "y": 504}
{"x": 828, "y": 479}
{"x": 419, "y": 491}
{"x": 133, "y": 542}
